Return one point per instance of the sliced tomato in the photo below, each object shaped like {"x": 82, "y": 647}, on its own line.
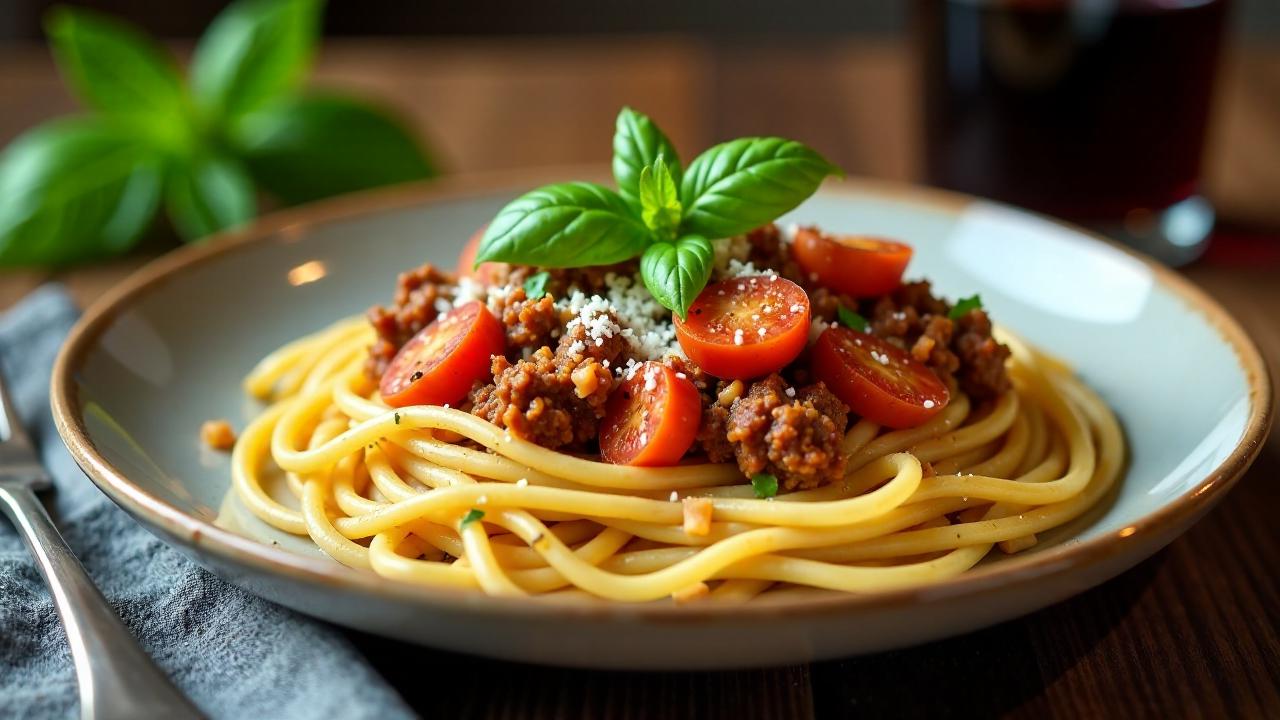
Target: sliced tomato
{"x": 877, "y": 380}
{"x": 851, "y": 264}
{"x": 650, "y": 419}
{"x": 487, "y": 273}
{"x": 441, "y": 362}
{"x": 746, "y": 327}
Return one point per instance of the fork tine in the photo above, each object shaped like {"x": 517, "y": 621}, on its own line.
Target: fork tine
{"x": 18, "y": 461}
{"x": 11, "y": 430}
{"x": 10, "y": 427}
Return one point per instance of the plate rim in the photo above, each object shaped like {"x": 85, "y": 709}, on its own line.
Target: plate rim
{"x": 204, "y": 536}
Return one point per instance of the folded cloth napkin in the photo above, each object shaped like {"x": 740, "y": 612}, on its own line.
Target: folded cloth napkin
{"x": 234, "y": 654}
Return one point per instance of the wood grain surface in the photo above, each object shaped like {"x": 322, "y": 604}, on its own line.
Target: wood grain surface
{"x": 1191, "y": 632}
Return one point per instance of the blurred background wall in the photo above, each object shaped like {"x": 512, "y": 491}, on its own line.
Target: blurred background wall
{"x": 20, "y": 19}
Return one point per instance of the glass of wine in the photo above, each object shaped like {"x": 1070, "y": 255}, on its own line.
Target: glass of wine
{"x": 1091, "y": 110}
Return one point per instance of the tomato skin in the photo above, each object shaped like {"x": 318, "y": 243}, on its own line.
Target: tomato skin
{"x": 855, "y": 265}
{"x": 440, "y": 363}
{"x": 651, "y": 427}
{"x": 898, "y": 393}
{"x": 487, "y": 273}
{"x": 749, "y": 304}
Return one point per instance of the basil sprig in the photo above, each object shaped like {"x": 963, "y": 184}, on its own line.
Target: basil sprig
{"x": 663, "y": 214}
{"x": 202, "y": 147}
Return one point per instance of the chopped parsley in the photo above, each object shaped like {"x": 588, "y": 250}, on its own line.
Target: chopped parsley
{"x": 965, "y": 306}
{"x": 472, "y": 516}
{"x": 764, "y": 485}
{"x": 851, "y": 319}
{"x": 535, "y": 286}
{"x": 397, "y": 418}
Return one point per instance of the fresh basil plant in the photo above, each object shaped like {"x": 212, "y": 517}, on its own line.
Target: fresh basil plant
{"x": 204, "y": 147}
{"x": 664, "y": 214}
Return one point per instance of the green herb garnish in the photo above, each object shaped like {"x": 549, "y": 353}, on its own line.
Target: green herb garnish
{"x": 202, "y": 144}
{"x": 535, "y": 286}
{"x": 397, "y": 418}
{"x": 472, "y": 515}
{"x": 851, "y": 319}
{"x": 965, "y": 306}
{"x": 662, "y": 213}
{"x": 764, "y": 485}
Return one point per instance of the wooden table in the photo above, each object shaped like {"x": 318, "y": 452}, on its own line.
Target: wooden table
{"x": 1192, "y": 632}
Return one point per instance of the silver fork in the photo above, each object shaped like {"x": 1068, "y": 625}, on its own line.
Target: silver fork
{"x": 117, "y": 679}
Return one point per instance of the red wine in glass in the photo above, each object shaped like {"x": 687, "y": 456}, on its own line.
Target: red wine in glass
{"x": 1093, "y": 110}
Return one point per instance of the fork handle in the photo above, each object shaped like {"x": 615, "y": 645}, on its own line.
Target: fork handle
{"x": 117, "y": 679}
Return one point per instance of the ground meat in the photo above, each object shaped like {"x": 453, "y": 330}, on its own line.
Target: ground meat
{"x": 529, "y": 323}
{"x": 982, "y": 359}
{"x": 769, "y": 251}
{"x": 912, "y": 318}
{"x": 794, "y": 437}
{"x": 539, "y": 399}
{"x": 413, "y": 307}
{"x": 556, "y": 398}
{"x": 590, "y": 280}
{"x": 577, "y": 343}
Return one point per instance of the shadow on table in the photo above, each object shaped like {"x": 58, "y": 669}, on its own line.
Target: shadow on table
{"x": 983, "y": 674}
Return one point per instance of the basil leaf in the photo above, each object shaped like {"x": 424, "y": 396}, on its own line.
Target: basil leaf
{"x": 742, "y": 184}
{"x": 115, "y": 68}
{"x": 764, "y": 485}
{"x": 659, "y": 200}
{"x": 964, "y": 307}
{"x": 637, "y": 143}
{"x": 473, "y": 515}
{"x": 253, "y": 51}
{"x": 75, "y": 190}
{"x": 535, "y": 286}
{"x": 675, "y": 272}
{"x": 306, "y": 148}
{"x": 572, "y": 224}
{"x": 207, "y": 194}
{"x": 851, "y": 319}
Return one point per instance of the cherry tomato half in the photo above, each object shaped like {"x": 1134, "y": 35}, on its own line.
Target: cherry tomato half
{"x": 651, "y": 419}
{"x": 877, "y": 380}
{"x": 746, "y": 327}
{"x": 441, "y": 362}
{"x": 488, "y": 273}
{"x": 851, "y": 264}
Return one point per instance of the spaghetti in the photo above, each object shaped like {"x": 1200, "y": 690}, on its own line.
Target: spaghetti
{"x": 438, "y": 497}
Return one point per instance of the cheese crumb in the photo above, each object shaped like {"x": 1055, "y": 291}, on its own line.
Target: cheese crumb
{"x": 697, "y": 516}
{"x": 218, "y": 434}
{"x": 522, "y": 482}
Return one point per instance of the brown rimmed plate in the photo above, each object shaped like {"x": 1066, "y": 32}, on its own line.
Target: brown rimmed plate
{"x": 166, "y": 350}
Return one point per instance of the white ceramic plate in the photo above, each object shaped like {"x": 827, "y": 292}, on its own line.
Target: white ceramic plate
{"x": 167, "y": 349}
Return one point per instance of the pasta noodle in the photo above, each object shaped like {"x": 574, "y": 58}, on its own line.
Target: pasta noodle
{"x": 394, "y": 492}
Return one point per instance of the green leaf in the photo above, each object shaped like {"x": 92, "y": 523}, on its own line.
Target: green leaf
{"x": 740, "y": 185}
{"x": 535, "y": 286}
{"x": 473, "y": 515}
{"x": 764, "y": 485}
{"x": 851, "y": 319}
{"x": 253, "y": 52}
{"x": 75, "y": 190}
{"x": 208, "y": 194}
{"x": 572, "y": 224}
{"x": 659, "y": 200}
{"x": 115, "y": 68}
{"x": 637, "y": 143}
{"x": 306, "y": 148}
{"x": 675, "y": 272}
{"x": 965, "y": 306}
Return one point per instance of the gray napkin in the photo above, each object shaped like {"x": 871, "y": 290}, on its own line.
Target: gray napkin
{"x": 235, "y": 655}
